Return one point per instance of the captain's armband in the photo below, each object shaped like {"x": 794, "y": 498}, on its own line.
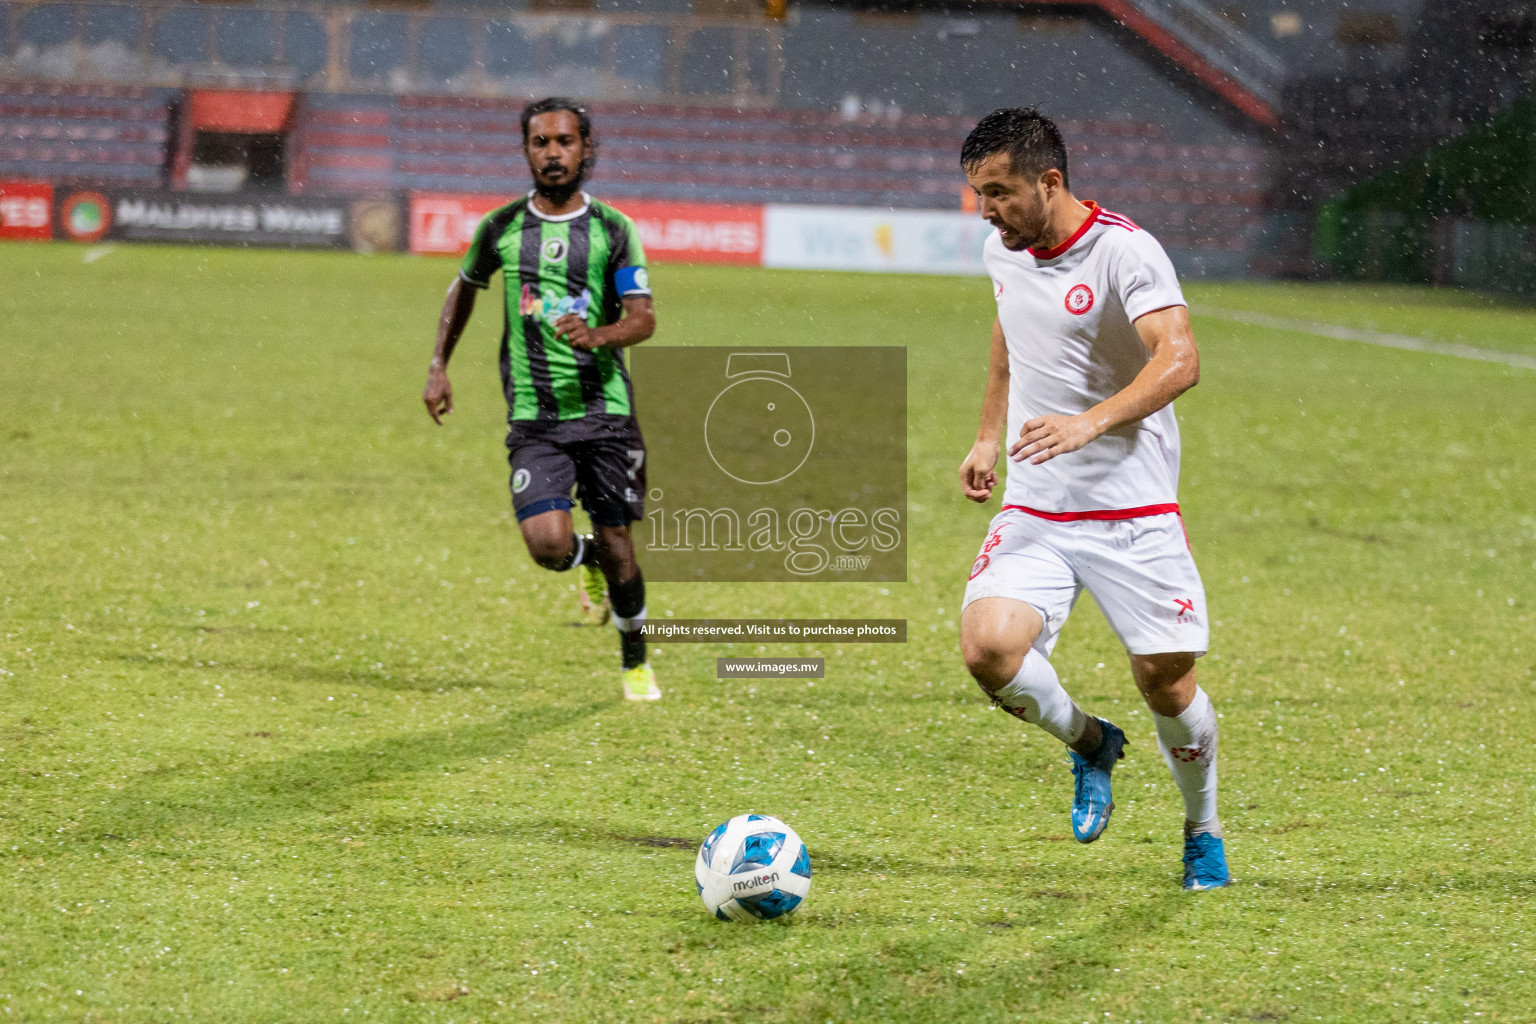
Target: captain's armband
{"x": 632, "y": 281}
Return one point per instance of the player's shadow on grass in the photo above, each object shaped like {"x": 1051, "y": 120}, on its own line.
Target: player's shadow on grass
{"x": 379, "y": 679}
{"x": 994, "y": 966}
{"x": 329, "y": 675}
{"x": 314, "y": 783}
{"x": 1504, "y": 882}
{"x": 834, "y": 862}
{"x": 1015, "y": 970}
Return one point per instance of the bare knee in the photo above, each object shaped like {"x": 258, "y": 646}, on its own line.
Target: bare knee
{"x": 548, "y": 537}
{"x": 550, "y": 552}
{"x": 989, "y": 662}
{"x": 995, "y": 634}
{"x": 1166, "y": 681}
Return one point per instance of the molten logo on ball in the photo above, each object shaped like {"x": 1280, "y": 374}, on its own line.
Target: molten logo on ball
{"x": 752, "y": 868}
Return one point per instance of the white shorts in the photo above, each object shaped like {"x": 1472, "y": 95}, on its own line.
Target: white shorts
{"x": 1140, "y": 571}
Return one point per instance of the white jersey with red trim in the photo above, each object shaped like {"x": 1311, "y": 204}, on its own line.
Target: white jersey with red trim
{"x": 1068, "y": 317}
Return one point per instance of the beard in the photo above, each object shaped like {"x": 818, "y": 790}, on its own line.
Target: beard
{"x": 560, "y": 193}
{"x": 1028, "y": 232}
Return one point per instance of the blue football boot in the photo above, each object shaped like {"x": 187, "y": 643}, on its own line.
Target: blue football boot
{"x": 1205, "y": 862}
{"x": 1091, "y": 799}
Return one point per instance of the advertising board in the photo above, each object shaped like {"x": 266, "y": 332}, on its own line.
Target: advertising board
{"x": 444, "y": 223}
{"x": 26, "y": 210}
{"x": 144, "y": 215}
{"x": 897, "y": 241}
{"x": 784, "y": 236}
{"x": 698, "y": 232}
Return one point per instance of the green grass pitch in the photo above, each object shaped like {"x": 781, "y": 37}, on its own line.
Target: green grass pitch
{"x": 293, "y": 730}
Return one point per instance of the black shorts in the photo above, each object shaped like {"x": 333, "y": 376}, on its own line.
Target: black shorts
{"x": 602, "y": 457}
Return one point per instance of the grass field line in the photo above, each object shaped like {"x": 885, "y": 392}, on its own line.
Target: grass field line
{"x": 1402, "y": 341}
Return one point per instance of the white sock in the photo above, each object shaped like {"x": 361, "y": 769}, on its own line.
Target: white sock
{"x": 1188, "y": 743}
{"x": 630, "y": 624}
{"x": 1036, "y": 696}
{"x": 578, "y": 552}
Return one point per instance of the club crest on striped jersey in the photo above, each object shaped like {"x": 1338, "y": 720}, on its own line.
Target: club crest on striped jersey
{"x": 554, "y": 250}
{"x": 551, "y": 306}
{"x": 1079, "y": 299}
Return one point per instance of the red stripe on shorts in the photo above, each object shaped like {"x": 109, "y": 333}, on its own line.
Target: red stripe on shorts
{"x": 1102, "y": 515}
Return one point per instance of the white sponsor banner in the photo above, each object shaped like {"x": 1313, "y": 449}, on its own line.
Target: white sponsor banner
{"x": 854, "y": 238}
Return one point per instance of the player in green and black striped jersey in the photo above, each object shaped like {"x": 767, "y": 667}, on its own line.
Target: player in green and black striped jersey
{"x": 576, "y": 294}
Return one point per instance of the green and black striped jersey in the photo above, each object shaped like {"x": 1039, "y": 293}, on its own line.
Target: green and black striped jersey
{"x": 583, "y": 263}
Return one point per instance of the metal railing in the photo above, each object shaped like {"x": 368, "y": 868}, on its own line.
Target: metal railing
{"x": 1226, "y": 47}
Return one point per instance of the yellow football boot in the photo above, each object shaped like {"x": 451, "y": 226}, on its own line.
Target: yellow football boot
{"x": 593, "y": 593}
{"x": 640, "y": 683}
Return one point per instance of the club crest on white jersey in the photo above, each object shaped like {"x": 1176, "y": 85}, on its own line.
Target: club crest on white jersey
{"x": 1079, "y": 299}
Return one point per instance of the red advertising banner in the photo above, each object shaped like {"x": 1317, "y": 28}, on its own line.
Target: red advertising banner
{"x": 445, "y": 224}
{"x": 671, "y": 232}
{"x": 698, "y": 232}
{"x": 26, "y": 210}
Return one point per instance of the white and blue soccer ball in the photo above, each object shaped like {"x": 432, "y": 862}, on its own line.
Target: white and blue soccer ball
{"x": 754, "y": 867}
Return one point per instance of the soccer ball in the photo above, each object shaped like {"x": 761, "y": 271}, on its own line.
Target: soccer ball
{"x": 753, "y": 867}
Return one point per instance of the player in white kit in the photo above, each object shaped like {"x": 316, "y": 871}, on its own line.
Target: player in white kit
{"x": 1091, "y": 346}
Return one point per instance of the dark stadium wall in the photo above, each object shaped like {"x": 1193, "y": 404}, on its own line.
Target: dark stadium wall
{"x": 1196, "y": 173}
{"x": 1313, "y": 36}
{"x": 1413, "y": 76}
{"x": 1462, "y": 213}
{"x": 1075, "y": 66}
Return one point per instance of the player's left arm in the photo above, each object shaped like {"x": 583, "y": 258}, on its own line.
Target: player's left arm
{"x": 637, "y": 324}
{"x": 1174, "y": 368}
{"x": 629, "y": 277}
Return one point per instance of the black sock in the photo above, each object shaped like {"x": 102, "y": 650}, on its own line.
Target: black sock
{"x": 632, "y": 649}
{"x": 628, "y": 601}
{"x": 580, "y": 549}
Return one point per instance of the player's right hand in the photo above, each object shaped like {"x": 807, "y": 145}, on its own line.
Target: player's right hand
{"x": 977, "y": 476}
{"x": 438, "y": 395}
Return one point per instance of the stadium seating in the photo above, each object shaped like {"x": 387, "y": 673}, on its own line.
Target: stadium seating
{"x": 1192, "y": 196}
{"x": 83, "y": 134}
{"x": 342, "y": 144}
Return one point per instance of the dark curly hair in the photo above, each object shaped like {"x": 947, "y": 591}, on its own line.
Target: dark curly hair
{"x": 1031, "y": 140}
